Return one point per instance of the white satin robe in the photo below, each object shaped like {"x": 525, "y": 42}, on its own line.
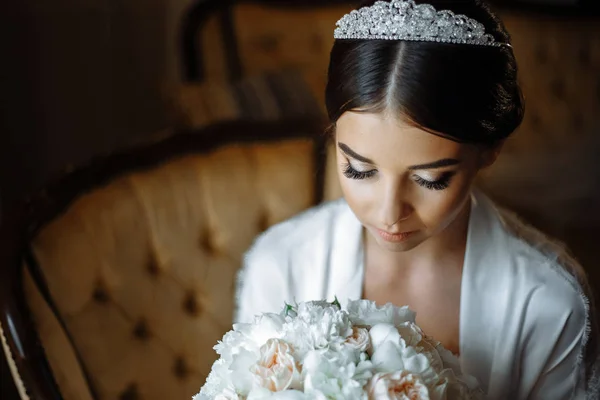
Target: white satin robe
{"x": 524, "y": 317}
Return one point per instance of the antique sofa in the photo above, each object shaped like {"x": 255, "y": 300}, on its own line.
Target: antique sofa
{"x": 117, "y": 281}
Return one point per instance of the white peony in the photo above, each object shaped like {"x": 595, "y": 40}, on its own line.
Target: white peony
{"x": 317, "y": 326}
{"x": 218, "y": 381}
{"x": 264, "y": 327}
{"x": 367, "y": 313}
{"x": 397, "y": 386}
{"x": 390, "y": 352}
{"x": 325, "y": 378}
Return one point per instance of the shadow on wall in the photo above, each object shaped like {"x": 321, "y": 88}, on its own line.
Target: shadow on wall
{"x": 79, "y": 79}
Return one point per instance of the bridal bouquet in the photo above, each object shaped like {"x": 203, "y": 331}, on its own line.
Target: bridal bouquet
{"x": 316, "y": 350}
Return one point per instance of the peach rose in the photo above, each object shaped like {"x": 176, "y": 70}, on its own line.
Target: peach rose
{"x": 397, "y": 386}
{"x": 359, "y": 339}
{"x": 276, "y": 369}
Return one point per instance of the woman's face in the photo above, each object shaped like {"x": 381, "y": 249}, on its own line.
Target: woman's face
{"x": 404, "y": 184}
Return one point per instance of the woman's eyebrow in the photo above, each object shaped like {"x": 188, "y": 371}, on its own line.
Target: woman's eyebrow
{"x": 349, "y": 152}
{"x": 444, "y": 162}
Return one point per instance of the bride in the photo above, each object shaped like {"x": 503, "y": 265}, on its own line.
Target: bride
{"x": 416, "y": 113}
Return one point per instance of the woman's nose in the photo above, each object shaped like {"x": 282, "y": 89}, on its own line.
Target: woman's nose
{"x": 393, "y": 218}
{"x": 395, "y": 207}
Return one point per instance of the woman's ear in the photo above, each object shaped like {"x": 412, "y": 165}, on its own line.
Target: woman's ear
{"x": 490, "y": 154}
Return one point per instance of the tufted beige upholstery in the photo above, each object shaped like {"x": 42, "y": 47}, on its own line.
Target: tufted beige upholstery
{"x": 559, "y": 61}
{"x": 548, "y": 168}
{"x": 142, "y": 270}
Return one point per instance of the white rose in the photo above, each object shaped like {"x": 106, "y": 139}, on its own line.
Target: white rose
{"x": 411, "y": 333}
{"x": 397, "y": 386}
{"x": 239, "y": 370}
{"x": 448, "y": 359}
{"x": 382, "y": 333}
{"x": 390, "y": 353}
{"x": 359, "y": 340}
{"x": 414, "y": 337}
{"x": 366, "y": 312}
{"x": 276, "y": 368}
{"x": 388, "y": 358}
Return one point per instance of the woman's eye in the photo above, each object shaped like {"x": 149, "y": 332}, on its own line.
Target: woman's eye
{"x": 351, "y": 173}
{"x": 439, "y": 184}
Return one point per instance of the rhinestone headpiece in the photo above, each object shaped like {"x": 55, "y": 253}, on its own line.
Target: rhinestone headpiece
{"x": 405, "y": 20}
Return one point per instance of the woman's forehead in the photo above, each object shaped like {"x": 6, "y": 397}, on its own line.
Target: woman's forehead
{"x": 384, "y": 138}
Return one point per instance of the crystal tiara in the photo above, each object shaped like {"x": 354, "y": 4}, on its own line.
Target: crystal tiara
{"x": 405, "y": 20}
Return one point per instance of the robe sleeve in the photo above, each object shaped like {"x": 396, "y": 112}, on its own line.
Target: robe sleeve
{"x": 262, "y": 284}
{"x": 555, "y": 329}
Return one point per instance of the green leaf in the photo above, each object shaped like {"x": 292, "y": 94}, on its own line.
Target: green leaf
{"x": 287, "y": 309}
{"x": 336, "y": 302}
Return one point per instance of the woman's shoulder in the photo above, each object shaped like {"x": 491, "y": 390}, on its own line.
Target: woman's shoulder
{"x": 542, "y": 271}
{"x": 530, "y": 264}
{"x": 542, "y": 257}
{"x": 533, "y": 285}
{"x": 557, "y": 296}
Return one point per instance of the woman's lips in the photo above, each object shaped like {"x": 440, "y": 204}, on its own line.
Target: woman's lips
{"x": 394, "y": 237}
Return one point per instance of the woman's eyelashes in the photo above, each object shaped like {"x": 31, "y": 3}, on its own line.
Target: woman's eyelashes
{"x": 438, "y": 184}
{"x": 351, "y": 173}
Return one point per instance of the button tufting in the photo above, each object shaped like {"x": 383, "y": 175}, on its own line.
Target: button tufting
{"x": 141, "y": 331}
{"x": 268, "y": 43}
{"x": 585, "y": 57}
{"x": 541, "y": 53}
{"x": 100, "y": 294}
{"x": 191, "y": 305}
{"x": 152, "y": 267}
{"x": 316, "y": 43}
{"x": 535, "y": 120}
{"x": 557, "y": 87}
{"x": 181, "y": 369}
{"x": 130, "y": 393}
{"x": 263, "y": 222}
{"x": 207, "y": 242}
{"x": 577, "y": 121}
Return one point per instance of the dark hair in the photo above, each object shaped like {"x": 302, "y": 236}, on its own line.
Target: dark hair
{"x": 468, "y": 93}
